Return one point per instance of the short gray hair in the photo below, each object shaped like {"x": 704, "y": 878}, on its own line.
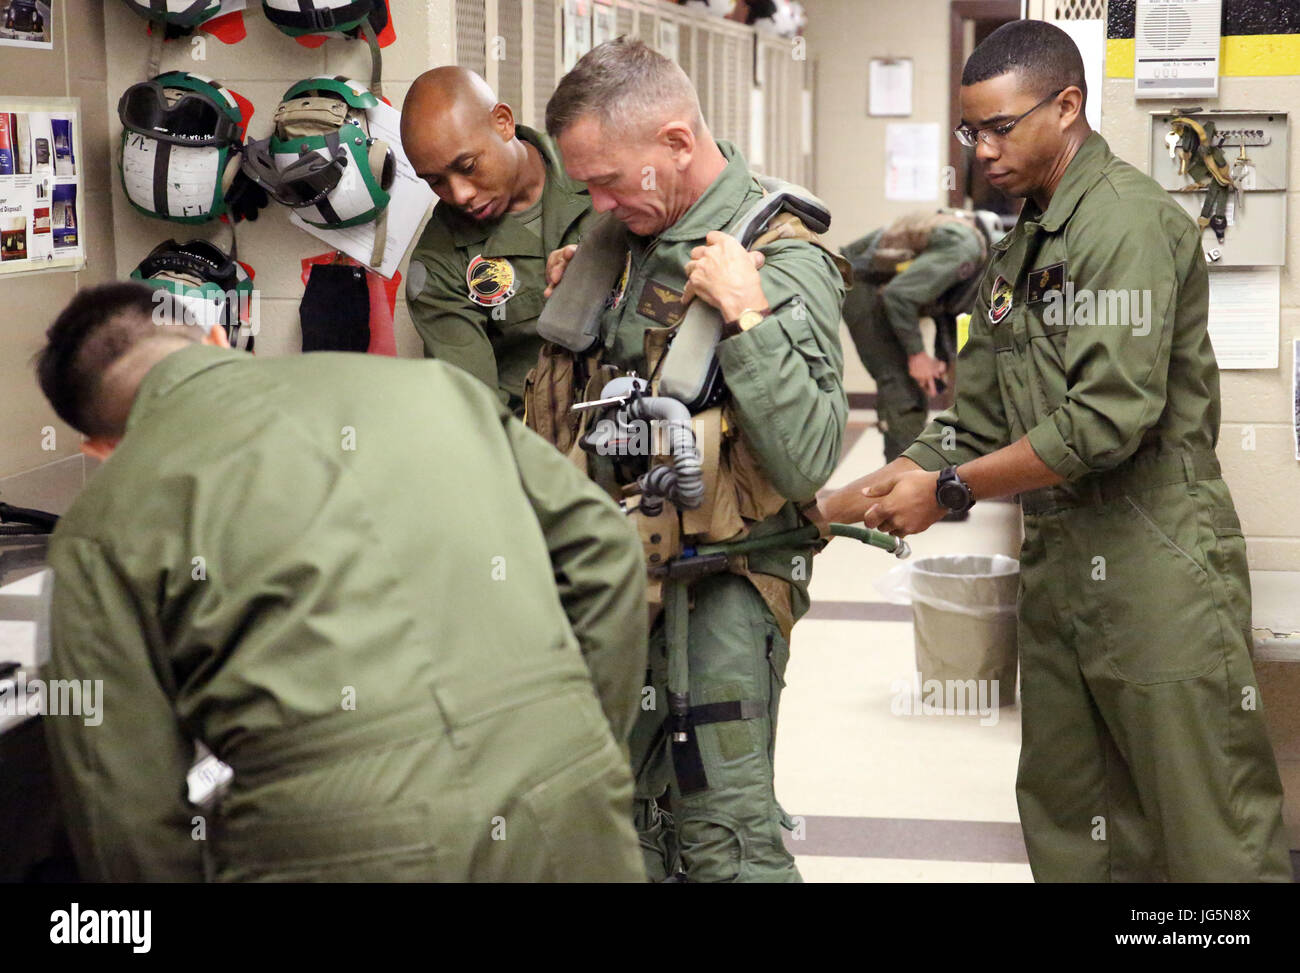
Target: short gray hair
{"x": 626, "y": 85}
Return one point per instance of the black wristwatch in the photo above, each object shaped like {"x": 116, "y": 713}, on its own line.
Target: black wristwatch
{"x": 952, "y": 492}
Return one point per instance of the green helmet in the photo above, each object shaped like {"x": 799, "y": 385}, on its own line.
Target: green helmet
{"x": 180, "y": 146}
{"x": 176, "y": 13}
{"x": 321, "y": 159}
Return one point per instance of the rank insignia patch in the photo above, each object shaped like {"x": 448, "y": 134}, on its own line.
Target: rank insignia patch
{"x": 491, "y": 280}
{"x": 999, "y": 300}
{"x": 1044, "y": 280}
{"x": 660, "y": 303}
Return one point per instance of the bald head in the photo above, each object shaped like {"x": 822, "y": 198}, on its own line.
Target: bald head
{"x": 462, "y": 142}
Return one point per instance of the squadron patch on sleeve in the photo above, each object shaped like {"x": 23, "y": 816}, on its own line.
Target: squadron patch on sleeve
{"x": 491, "y": 280}
{"x": 999, "y": 300}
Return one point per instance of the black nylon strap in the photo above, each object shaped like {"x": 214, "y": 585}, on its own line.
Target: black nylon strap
{"x": 313, "y": 18}
{"x": 745, "y": 709}
{"x": 327, "y": 212}
{"x": 188, "y": 17}
{"x": 161, "y": 162}
{"x": 688, "y": 765}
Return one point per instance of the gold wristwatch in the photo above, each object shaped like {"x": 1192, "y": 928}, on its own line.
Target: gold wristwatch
{"x": 748, "y": 318}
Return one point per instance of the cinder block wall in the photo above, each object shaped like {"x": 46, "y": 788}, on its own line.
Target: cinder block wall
{"x": 1263, "y": 480}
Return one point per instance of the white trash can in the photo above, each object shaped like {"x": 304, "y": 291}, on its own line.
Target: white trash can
{"x": 964, "y": 613}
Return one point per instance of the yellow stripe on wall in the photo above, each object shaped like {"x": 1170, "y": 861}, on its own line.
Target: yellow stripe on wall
{"x": 1247, "y": 55}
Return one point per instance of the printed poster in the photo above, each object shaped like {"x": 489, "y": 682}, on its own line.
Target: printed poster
{"x": 42, "y": 204}
{"x": 27, "y": 23}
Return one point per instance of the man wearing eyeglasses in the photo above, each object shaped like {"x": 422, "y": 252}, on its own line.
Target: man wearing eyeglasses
{"x": 1088, "y": 386}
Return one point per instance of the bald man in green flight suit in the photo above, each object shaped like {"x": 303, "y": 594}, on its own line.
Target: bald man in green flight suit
{"x": 474, "y": 284}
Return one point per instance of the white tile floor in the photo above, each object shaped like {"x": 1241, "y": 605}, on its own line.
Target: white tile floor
{"x": 841, "y": 752}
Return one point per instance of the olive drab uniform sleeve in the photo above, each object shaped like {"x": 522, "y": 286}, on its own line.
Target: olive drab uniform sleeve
{"x": 953, "y": 254}
{"x": 1116, "y": 371}
{"x": 598, "y": 569}
{"x": 122, "y": 780}
{"x": 451, "y": 328}
{"x": 785, "y": 374}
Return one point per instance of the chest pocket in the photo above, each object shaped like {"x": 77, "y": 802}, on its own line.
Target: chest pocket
{"x": 1046, "y": 331}
{"x": 520, "y": 309}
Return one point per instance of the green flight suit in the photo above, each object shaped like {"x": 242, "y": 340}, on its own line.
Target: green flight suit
{"x": 490, "y": 329}
{"x": 1144, "y": 751}
{"x": 884, "y": 323}
{"x": 785, "y": 378}
{"x": 412, "y": 629}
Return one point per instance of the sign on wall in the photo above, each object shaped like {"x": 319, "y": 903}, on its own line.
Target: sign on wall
{"x": 42, "y": 204}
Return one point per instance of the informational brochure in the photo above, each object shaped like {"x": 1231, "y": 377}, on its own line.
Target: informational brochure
{"x": 42, "y": 204}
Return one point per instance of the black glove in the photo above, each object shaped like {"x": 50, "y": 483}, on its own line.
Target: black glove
{"x": 245, "y": 198}
{"x": 335, "y": 309}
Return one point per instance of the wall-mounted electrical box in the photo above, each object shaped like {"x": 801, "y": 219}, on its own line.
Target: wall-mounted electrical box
{"x": 1176, "y": 48}
{"x": 1255, "y": 151}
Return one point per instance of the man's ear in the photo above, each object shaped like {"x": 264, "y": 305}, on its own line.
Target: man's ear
{"x": 216, "y": 336}
{"x": 679, "y": 139}
{"x": 503, "y": 121}
{"x": 100, "y": 447}
{"x": 1071, "y": 106}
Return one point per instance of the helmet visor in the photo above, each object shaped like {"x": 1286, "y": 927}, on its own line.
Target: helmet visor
{"x": 305, "y": 181}
{"x": 191, "y": 120}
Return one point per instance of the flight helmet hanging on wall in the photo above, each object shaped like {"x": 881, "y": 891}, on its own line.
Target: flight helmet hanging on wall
{"x": 178, "y": 16}
{"x": 340, "y": 18}
{"x": 207, "y": 287}
{"x": 321, "y": 159}
{"x": 180, "y": 146}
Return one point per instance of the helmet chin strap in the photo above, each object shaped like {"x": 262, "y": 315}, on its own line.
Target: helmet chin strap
{"x": 376, "y": 59}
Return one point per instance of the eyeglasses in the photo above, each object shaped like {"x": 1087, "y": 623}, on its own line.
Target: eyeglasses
{"x": 970, "y": 136}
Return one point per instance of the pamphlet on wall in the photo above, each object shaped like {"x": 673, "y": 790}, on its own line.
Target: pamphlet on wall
{"x": 41, "y": 200}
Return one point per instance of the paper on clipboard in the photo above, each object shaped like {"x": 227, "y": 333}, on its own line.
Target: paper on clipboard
{"x": 410, "y": 200}
{"x": 890, "y": 86}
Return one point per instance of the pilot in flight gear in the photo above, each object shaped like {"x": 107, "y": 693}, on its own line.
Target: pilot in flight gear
{"x": 475, "y": 281}
{"x": 1089, "y": 387}
{"x": 419, "y": 650}
{"x": 925, "y": 264}
{"x": 765, "y": 450}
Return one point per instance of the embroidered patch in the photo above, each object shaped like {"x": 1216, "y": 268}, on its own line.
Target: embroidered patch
{"x": 491, "y": 280}
{"x": 1044, "y": 280}
{"x": 616, "y": 295}
{"x": 999, "y": 300}
{"x": 660, "y": 303}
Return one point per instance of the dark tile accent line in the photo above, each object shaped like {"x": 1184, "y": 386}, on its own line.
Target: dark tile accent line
{"x": 859, "y": 611}
{"x": 867, "y": 400}
{"x": 911, "y": 838}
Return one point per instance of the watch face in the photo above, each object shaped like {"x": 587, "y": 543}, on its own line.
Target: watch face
{"x": 952, "y": 496}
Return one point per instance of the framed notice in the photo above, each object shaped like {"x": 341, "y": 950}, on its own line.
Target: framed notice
{"x": 42, "y": 203}
{"x": 27, "y": 23}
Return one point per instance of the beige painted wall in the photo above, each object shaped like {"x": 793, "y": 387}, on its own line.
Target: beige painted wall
{"x": 31, "y": 301}
{"x": 843, "y": 35}
{"x": 1264, "y": 481}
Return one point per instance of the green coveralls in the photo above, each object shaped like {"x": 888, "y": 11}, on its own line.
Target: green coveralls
{"x": 785, "y": 378}
{"x": 340, "y": 573}
{"x": 885, "y": 324}
{"x": 492, "y": 334}
{"x": 1144, "y": 752}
